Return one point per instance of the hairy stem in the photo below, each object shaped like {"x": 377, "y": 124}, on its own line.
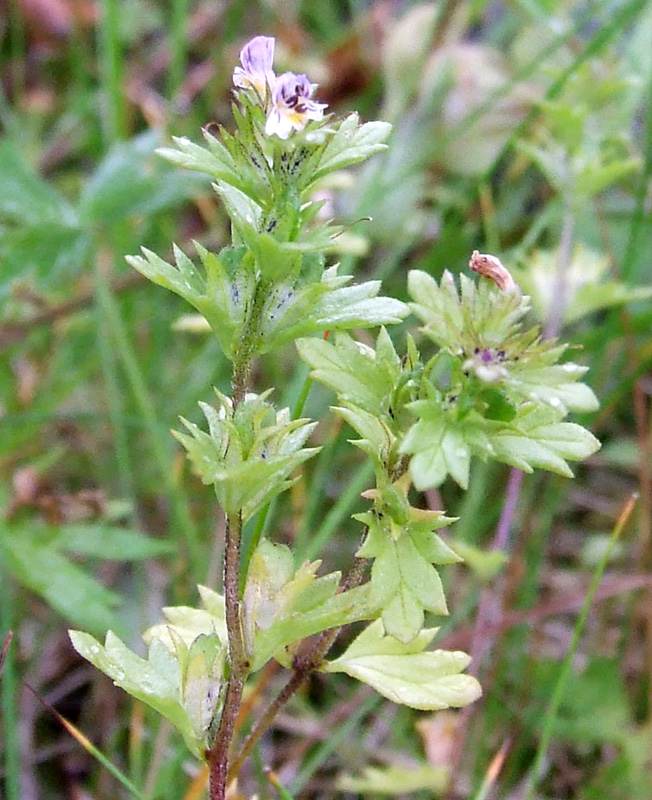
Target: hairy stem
{"x": 238, "y": 663}
{"x": 218, "y": 756}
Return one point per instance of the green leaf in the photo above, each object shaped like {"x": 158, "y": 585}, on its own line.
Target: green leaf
{"x": 66, "y": 587}
{"x": 557, "y": 385}
{"x": 357, "y": 306}
{"x": 404, "y": 582}
{"x": 486, "y": 564}
{"x": 378, "y": 441}
{"x": 47, "y": 254}
{"x": 223, "y": 296}
{"x": 230, "y": 288}
{"x": 154, "y": 681}
{"x": 184, "y": 623}
{"x": 274, "y": 259}
{"x": 292, "y": 311}
{"x": 409, "y": 584}
{"x": 283, "y": 606}
{"x": 397, "y": 780}
{"x": 244, "y": 212}
{"x": 441, "y": 445}
{"x": 183, "y": 677}
{"x": 352, "y": 143}
{"x": 216, "y": 161}
{"x": 438, "y": 449}
{"x": 203, "y": 682}
{"x": 290, "y": 308}
{"x": 182, "y": 279}
{"x": 352, "y": 370}
{"x": 538, "y": 438}
{"x": 429, "y": 681}
{"x": 27, "y": 199}
{"x": 40, "y": 234}
{"x": 341, "y": 609}
{"x": 131, "y": 181}
{"x": 247, "y": 456}
{"x": 107, "y": 541}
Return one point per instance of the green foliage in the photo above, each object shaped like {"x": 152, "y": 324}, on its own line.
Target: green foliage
{"x": 405, "y": 674}
{"x": 38, "y": 556}
{"x": 243, "y": 161}
{"x": 402, "y": 542}
{"x": 588, "y": 286}
{"x": 351, "y": 144}
{"x": 482, "y": 328}
{"x": 374, "y": 386}
{"x": 282, "y": 606}
{"x": 512, "y": 123}
{"x": 538, "y": 438}
{"x": 596, "y": 711}
{"x": 235, "y": 290}
{"x": 248, "y": 453}
{"x": 441, "y": 444}
{"x": 271, "y": 286}
{"x": 506, "y": 396}
{"x": 183, "y": 686}
{"x": 183, "y": 674}
{"x": 396, "y": 780}
{"x": 46, "y": 237}
{"x": 580, "y": 151}
{"x": 492, "y": 388}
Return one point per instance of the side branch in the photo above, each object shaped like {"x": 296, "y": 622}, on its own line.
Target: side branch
{"x": 307, "y": 660}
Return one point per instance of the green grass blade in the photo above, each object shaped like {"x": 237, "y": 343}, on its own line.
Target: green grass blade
{"x": 116, "y": 416}
{"x": 186, "y": 529}
{"x": 560, "y": 686}
{"x": 114, "y": 118}
{"x": 338, "y": 512}
{"x": 9, "y": 693}
{"x": 94, "y": 751}
{"x": 605, "y": 33}
{"x": 178, "y": 46}
{"x": 634, "y": 253}
{"x": 336, "y": 738}
{"x": 17, "y": 49}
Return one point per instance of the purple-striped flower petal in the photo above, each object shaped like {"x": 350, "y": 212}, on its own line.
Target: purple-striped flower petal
{"x": 292, "y": 106}
{"x": 256, "y": 57}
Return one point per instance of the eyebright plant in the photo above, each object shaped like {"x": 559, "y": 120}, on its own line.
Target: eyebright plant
{"x": 485, "y": 386}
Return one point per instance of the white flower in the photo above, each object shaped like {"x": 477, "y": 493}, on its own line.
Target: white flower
{"x": 291, "y": 105}
{"x": 256, "y": 57}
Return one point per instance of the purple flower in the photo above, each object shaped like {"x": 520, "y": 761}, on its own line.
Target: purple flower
{"x": 256, "y": 57}
{"x": 291, "y": 105}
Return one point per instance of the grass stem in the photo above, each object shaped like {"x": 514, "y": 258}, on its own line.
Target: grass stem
{"x": 560, "y": 686}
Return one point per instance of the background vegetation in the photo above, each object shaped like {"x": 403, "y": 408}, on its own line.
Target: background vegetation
{"x": 523, "y": 129}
